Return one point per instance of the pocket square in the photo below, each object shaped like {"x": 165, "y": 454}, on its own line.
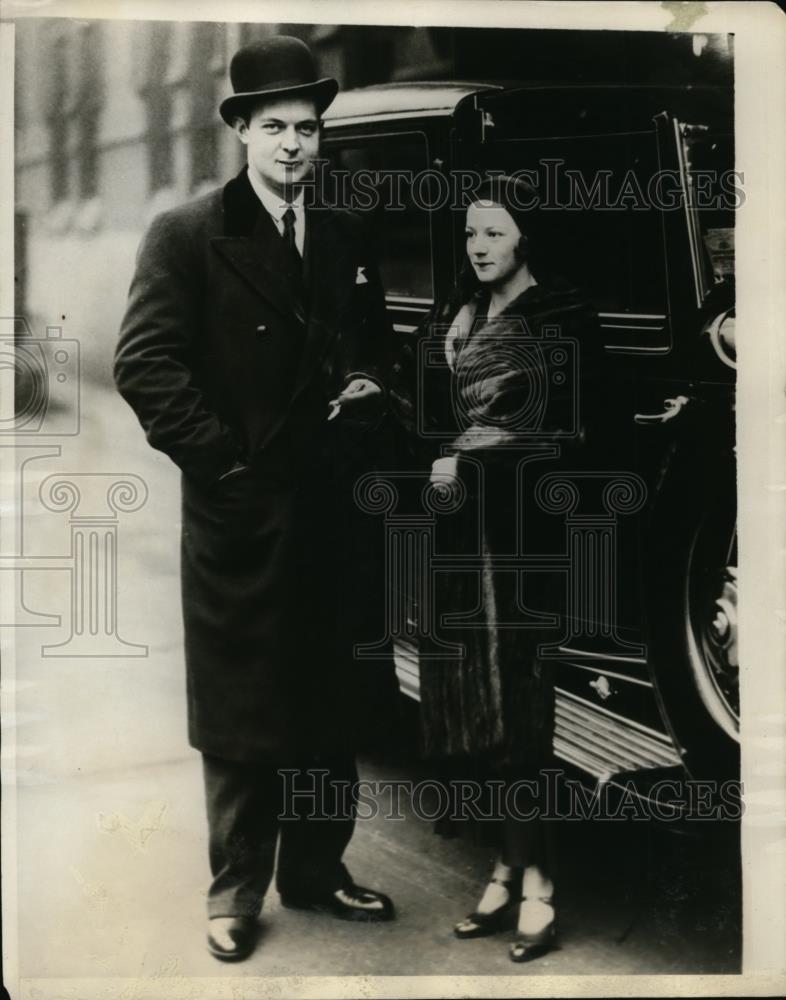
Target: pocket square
{"x": 360, "y": 277}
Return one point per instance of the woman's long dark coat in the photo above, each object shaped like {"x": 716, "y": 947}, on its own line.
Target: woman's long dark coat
{"x": 495, "y": 703}
{"x": 226, "y": 356}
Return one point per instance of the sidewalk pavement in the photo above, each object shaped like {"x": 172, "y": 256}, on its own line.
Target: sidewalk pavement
{"x": 113, "y": 871}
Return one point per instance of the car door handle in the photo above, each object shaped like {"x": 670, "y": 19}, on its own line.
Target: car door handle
{"x": 672, "y": 408}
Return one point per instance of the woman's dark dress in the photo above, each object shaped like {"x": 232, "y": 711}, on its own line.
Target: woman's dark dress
{"x": 491, "y": 711}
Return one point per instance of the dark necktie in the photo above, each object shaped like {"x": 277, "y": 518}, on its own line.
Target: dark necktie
{"x": 288, "y": 218}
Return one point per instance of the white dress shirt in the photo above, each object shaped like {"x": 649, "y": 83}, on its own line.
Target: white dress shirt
{"x": 275, "y": 206}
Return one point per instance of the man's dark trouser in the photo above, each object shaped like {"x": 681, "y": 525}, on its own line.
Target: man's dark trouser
{"x": 244, "y": 802}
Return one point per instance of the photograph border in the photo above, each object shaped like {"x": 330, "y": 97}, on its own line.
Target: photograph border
{"x": 759, "y": 30}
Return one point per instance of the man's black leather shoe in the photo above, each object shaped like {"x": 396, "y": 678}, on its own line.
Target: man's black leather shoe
{"x": 234, "y": 940}
{"x": 351, "y": 902}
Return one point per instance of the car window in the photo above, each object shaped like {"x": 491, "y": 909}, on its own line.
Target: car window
{"x": 714, "y": 191}
{"x": 371, "y": 174}
{"x": 600, "y": 227}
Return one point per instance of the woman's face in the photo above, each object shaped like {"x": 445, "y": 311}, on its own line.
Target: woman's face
{"x": 492, "y": 238}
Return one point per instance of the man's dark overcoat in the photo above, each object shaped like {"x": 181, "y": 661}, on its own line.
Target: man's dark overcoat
{"x": 226, "y": 355}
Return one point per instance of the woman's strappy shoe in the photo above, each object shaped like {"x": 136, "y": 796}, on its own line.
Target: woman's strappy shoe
{"x": 482, "y": 924}
{"x": 532, "y": 945}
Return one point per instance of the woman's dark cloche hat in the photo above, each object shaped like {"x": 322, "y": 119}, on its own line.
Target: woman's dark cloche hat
{"x": 517, "y": 196}
{"x": 279, "y": 66}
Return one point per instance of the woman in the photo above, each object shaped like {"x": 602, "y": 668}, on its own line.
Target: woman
{"x": 490, "y": 711}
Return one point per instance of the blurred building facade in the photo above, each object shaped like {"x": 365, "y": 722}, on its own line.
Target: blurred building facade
{"x": 116, "y": 121}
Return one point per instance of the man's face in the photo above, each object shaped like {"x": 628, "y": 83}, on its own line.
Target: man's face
{"x": 282, "y": 140}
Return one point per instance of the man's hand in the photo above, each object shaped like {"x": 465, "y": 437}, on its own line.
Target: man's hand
{"x": 444, "y": 473}
{"x": 361, "y": 394}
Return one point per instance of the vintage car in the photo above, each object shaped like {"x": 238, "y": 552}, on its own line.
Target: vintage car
{"x": 642, "y": 190}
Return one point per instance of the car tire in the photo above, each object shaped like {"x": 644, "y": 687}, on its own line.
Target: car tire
{"x": 691, "y": 584}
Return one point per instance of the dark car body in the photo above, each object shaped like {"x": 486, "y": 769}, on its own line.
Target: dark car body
{"x": 657, "y": 264}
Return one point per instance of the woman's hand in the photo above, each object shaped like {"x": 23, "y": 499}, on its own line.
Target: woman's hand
{"x": 444, "y": 473}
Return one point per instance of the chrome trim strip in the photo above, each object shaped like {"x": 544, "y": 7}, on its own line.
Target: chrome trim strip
{"x": 617, "y": 754}
{"x": 608, "y": 763}
{"x": 612, "y": 733}
{"x": 611, "y": 673}
{"x": 634, "y": 329}
{"x": 663, "y": 737}
{"x": 608, "y": 657}
{"x": 614, "y": 757}
{"x": 591, "y": 738}
{"x": 632, "y": 349}
{"x": 404, "y": 328}
{"x": 699, "y": 286}
{"x": 409, "y": 299}
{"x": 601, "y": 768}
{"x": 593, "y": 712}
{"x": 650, "y": 316}
{"x": 586, "y": 762}
{"x": 384, "y": 117}
{"x": 616, "y": 743}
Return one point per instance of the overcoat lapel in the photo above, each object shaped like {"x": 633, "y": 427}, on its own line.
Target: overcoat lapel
{"x": 252, "y": 262}
{"x": 253, "y": 247}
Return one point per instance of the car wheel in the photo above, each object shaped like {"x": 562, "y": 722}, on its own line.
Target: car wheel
{"x": 692, "y": 624}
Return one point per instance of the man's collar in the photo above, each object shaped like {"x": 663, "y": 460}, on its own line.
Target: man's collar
{"x": 243, "y": 207}
{"x": 274, "y": 204}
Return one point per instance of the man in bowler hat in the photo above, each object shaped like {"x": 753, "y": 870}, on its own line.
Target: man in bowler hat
{"x": 254, "y": 337}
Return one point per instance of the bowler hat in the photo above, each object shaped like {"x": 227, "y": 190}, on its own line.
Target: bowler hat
{"x": 278, "y": 66}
